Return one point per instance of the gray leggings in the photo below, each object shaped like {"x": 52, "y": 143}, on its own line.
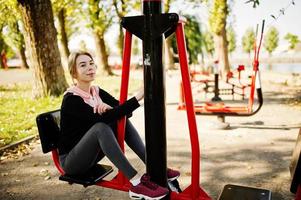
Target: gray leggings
{"x": 101, "y": 141}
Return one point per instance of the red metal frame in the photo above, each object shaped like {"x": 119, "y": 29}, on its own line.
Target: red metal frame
{"x": 193, "y": 191}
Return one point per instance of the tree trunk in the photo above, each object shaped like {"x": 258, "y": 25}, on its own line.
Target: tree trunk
{"x": 23, "y": 58}
{"x": 40, "y": 35}
{"x": 102, "y": 54}
{"x": 169, "y": 61}
{"x": 64, "y": 38}
{"x": 1, "y": 63}
{"x": 222, "y": 52}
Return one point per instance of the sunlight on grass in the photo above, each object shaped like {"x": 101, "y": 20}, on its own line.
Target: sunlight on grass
{"x": 18, "y": 109}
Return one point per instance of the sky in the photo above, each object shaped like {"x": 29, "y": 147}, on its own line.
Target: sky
{"x": 289, "y": 22}
{"x": 243, "y": 16}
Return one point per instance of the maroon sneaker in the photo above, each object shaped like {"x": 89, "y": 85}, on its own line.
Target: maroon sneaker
{"x": 147, "y": 190}
{"x": 172, "y": 174}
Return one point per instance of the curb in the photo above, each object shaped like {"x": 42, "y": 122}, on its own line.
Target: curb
{"x": 13, "y": 145}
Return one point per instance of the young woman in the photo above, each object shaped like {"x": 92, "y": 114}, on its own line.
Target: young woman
{"x": 88, "y": 124}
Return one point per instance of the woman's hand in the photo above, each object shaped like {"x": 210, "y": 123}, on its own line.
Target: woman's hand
{"x": 101, "y": 108}
{"x": 140, "y": 94}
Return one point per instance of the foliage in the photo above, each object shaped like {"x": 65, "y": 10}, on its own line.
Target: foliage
{"x": 292, "y": 39}
{"x": 100, "y": 15}
{"x": 193, "y": 38}
{"x": 11, "y": 25}
{"x": 122, "y": 8}
{"x": 18, "y": 121}
{"x": 9, "y": 12}
{"x": 255, "y": 3}
{"x": 13, "y": 36}
{"x": 135, "y": 49}
{"x": 271, "y": 40}
{"x": 7, "y": 49}
{"x": 74, "y": 15}
{"x": 217, "y": 23}
{"x": 231, "y": 38}
{"x": 218, "y": 16}
{"x": 248, "y": 40}
{"x": 208, "y": 42}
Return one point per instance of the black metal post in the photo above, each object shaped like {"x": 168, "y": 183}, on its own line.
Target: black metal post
{"x": 154, "y": 89}
{"x": 216, "y": 87}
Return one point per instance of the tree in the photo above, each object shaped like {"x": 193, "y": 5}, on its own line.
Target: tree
{"x": 69, "y": 18}
{"x": 100, "y": 15}
{"x": 122, "y": 8}
{"x": 10, "y": 20}
{"x": 248, "y": 40}
{"x": 271, "y": 40}
{"x": 208, "y": 43}
{"x": 3, "y": 48}
{"x": 255, "y": 3}
{"x": 40, "y": 34}
{"x": 292, "y": 39}
{"x": 59, "y": 10}
{"x": 15, "y": 38}
{"x": 217, "y": 22}
{"x": 193, "y": 39}
{"x": 231, "y": 38}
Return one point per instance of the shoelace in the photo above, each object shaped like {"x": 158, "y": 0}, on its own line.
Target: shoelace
{"x": 145, "y": 180}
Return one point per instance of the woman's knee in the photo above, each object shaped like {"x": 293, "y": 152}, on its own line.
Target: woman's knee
{"x": 102, "y": 128}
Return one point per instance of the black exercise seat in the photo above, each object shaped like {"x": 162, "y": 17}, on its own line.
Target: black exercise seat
{"x": 49, "y": 131}
{"x": 94, "y": 175}
{"x": 237, "y": 192}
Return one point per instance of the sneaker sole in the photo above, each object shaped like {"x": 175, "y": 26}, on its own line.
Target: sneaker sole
{"x": 134, "y": 195}
{"x": 172, "y": 179}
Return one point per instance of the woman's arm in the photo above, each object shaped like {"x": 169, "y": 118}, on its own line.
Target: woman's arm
{"x": 75, "y": 106}
{"x": 107, "y": 98}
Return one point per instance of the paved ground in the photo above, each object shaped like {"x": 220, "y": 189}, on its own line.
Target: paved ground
{"x": 255, "y": 151}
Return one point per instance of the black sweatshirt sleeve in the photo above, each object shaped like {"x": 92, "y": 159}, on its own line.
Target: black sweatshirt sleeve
{"x": 107, "y": 98}
{"x": 110, "y": 100}
{"x": 75, "y": 106}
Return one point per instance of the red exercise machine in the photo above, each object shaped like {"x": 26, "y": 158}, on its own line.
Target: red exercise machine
{"x": 149, "y": 27}
{"x": 219, "y": 108}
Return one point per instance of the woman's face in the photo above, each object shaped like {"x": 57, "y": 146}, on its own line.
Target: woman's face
{"x": 85, "y": 68}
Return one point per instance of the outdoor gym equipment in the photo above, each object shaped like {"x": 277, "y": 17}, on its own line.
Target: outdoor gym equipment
{"x": 204, "y": 82}
{"x": 154, "y": 24}
{"x": 222, "y": 110}
{"x": 149, "y": 27}
{"x": 238, "y": 87}
{"x": 295, "y": 169}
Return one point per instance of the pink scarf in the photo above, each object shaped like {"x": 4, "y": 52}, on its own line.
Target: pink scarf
{"x": 92, "y": 98}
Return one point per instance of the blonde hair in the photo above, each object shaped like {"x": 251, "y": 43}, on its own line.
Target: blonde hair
{"x": 72, "y": 61}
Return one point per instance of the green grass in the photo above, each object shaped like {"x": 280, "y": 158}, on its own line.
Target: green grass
{"x": 18, "y": 109}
